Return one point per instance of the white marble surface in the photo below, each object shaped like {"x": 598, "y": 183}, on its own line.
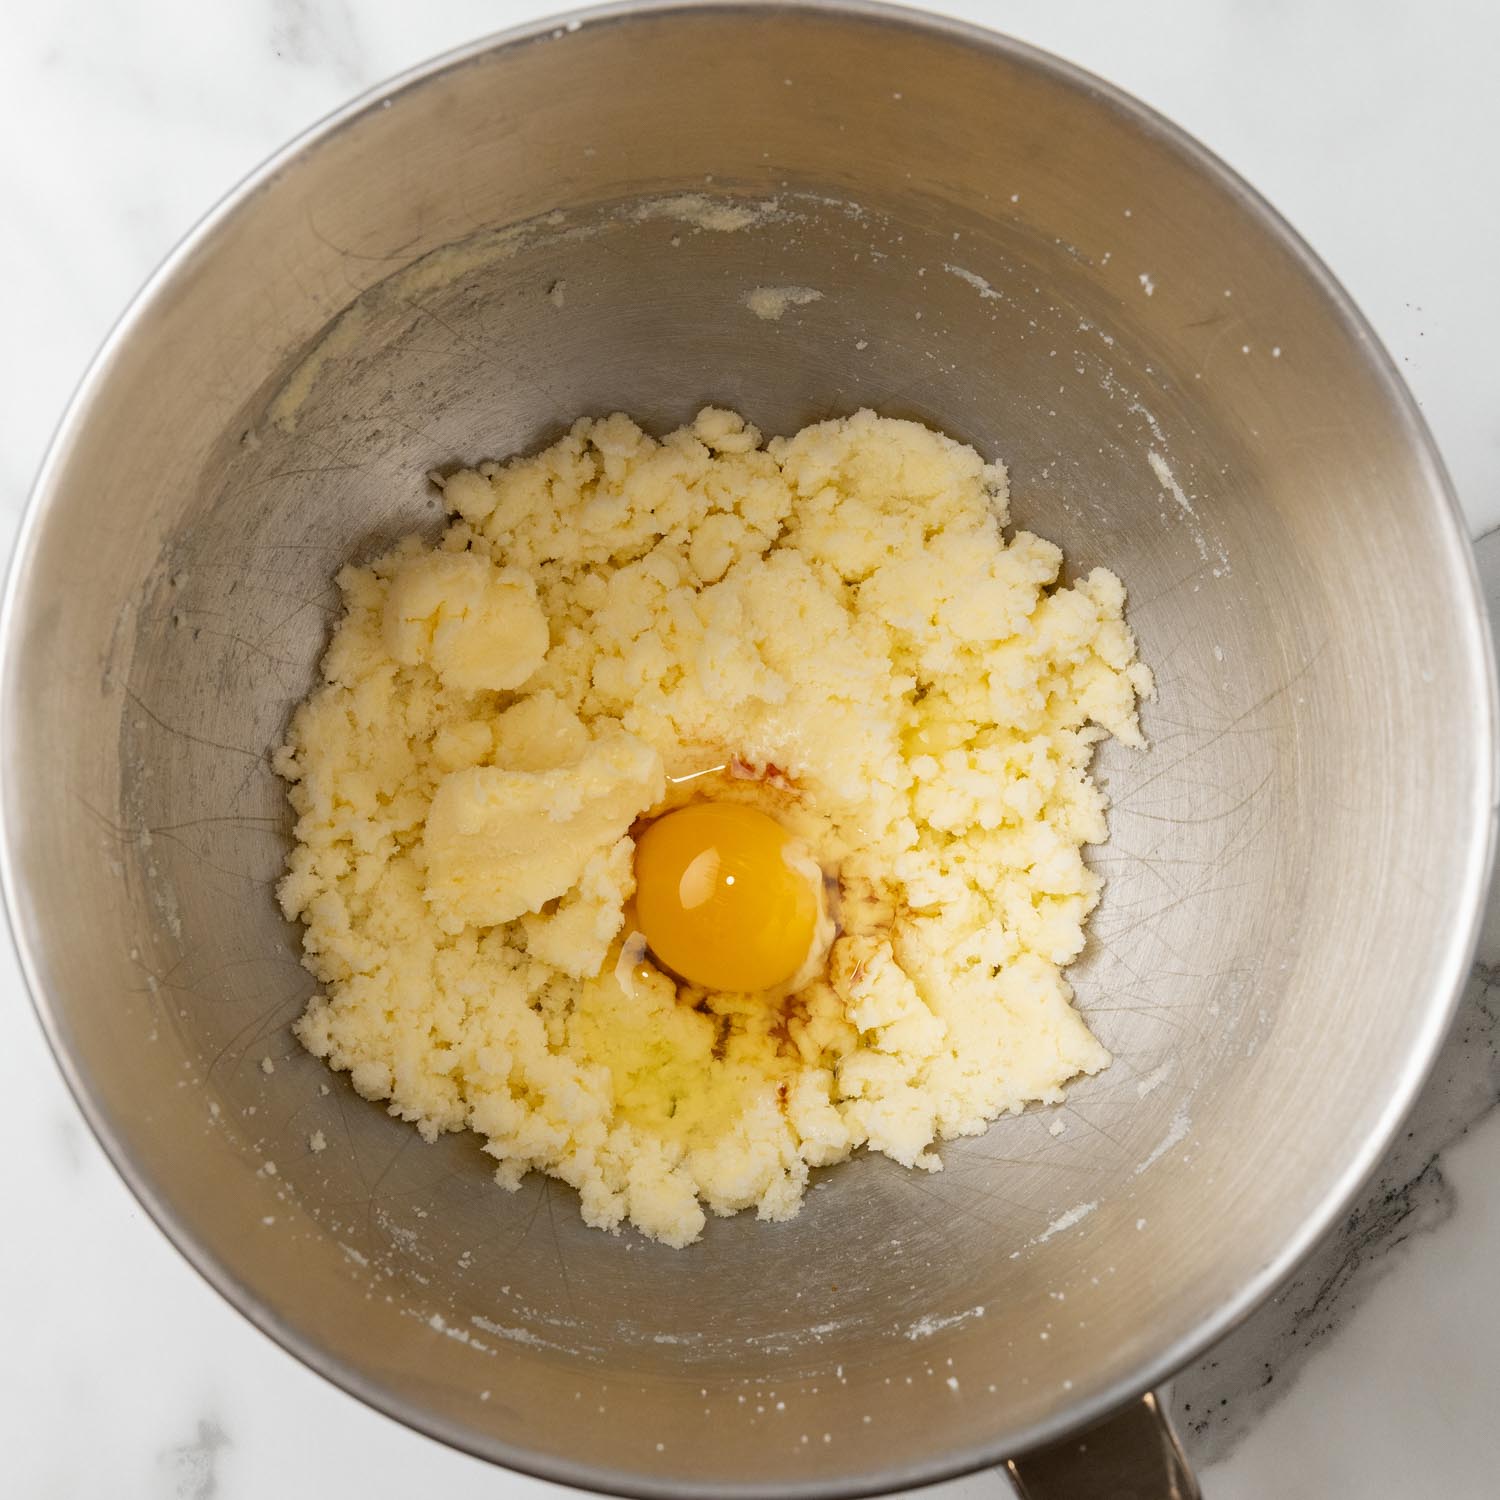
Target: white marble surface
{"x": 1369, "y": 123}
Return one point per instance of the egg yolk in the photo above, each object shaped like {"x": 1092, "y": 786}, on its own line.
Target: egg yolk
{"x": 719, "y": 901}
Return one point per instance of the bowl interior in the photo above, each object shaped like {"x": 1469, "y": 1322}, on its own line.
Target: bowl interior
{"x": 573, "y": 223}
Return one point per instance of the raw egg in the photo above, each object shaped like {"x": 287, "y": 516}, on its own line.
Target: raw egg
{"x": 726, "y": 897}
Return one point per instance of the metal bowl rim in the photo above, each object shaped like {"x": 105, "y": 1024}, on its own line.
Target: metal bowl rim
{"x": 1448, "y": 977}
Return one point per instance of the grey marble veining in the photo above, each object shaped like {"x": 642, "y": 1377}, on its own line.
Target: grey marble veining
{"x": 192, "y": 1468}
{"x": 320, "y": 36}
{"x": 1218, "y": 1400}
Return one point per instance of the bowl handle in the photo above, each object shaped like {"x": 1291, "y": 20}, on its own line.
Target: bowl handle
{"x": 1132, "y": 1454}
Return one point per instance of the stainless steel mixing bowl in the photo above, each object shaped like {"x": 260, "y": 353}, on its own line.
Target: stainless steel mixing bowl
{"x": 1005, "y": 248}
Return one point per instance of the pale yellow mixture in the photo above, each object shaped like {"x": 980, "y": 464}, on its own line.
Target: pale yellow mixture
{"x": 838, "y": 618}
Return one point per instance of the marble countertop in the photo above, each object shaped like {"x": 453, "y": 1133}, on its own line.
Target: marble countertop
{"x": 1376, "y": 1373}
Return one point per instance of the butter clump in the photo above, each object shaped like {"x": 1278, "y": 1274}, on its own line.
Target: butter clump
{"x": 501, "y": 843}
{"x": 843, "y": 607}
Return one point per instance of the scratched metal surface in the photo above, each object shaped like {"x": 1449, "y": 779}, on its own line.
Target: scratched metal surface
{"x": 1032, "y": 271}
